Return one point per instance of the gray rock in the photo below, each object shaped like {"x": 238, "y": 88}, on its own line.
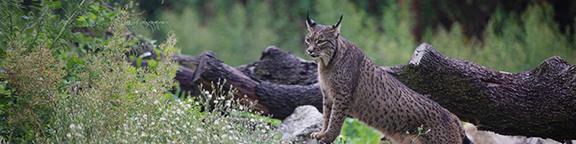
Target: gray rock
{"x": 297, "y": 127}
{"x": 488, "y": 137}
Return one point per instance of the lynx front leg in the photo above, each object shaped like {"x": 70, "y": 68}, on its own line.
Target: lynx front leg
{"x": 326, "y": 111}
{"x": 338, "y": 114}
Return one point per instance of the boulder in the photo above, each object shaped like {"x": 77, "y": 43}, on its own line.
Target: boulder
{"x": 297, "y": 127}
{"x": 488, "y": 137}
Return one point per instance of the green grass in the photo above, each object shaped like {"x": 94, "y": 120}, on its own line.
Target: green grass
{"x": 356, "y": 132}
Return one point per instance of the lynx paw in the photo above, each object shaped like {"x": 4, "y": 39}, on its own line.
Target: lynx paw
{"x": 319, "y": 136}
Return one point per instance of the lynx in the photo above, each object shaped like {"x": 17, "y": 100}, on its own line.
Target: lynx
{"x": 353, "y": 85}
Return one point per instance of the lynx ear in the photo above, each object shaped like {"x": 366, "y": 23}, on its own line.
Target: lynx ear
{"x": 309, "y": 22}
{"x": 336, "y": 26}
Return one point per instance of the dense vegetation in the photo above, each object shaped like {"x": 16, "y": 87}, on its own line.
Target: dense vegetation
{"x": 64, "y": 85}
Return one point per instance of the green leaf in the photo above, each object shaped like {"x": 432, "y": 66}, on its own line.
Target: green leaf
{"x": 95, "y": 7}
{"x": 139, "y": 61}
{"x": 71, "y": 62}
{"x": 81, "y": 18}
{"x": 93, "y": 16}
{"x": 54, "y": 4}
{"x": 152, "y": 63}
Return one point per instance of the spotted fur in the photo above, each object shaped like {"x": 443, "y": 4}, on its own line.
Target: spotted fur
{"x": 353, "y": 85}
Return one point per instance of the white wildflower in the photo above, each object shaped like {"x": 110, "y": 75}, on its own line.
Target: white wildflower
{"x": 228, "y": 103}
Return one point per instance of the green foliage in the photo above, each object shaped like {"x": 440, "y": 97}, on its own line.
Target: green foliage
{"x": 355, "y": 131}
{"x": 508, "y": 45}
{"x": 420, "y": 129}
{"x": 238, "y": 33}
{"x": 63, "y": 86}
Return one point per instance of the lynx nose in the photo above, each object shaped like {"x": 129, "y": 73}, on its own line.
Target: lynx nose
{"x": 309, "y": 50}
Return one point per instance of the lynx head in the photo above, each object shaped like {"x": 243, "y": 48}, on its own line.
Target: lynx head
{"x": 321, "y": 40}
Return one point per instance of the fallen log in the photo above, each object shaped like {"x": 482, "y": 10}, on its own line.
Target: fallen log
{"x": 540, "y": 102}
{"x": 277, "y": 100}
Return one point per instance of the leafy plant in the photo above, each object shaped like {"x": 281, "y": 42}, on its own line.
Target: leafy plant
{"x": 420, "y": 129}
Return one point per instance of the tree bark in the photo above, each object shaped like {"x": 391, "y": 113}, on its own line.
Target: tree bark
{"x": 540, "y": 102}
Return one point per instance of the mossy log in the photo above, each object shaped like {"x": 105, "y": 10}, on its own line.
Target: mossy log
{"x": 540, "y": 102}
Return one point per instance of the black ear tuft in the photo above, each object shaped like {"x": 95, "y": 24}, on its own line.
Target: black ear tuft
{"x": 309, "y": 21}
{"x": 338, "y": 24}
